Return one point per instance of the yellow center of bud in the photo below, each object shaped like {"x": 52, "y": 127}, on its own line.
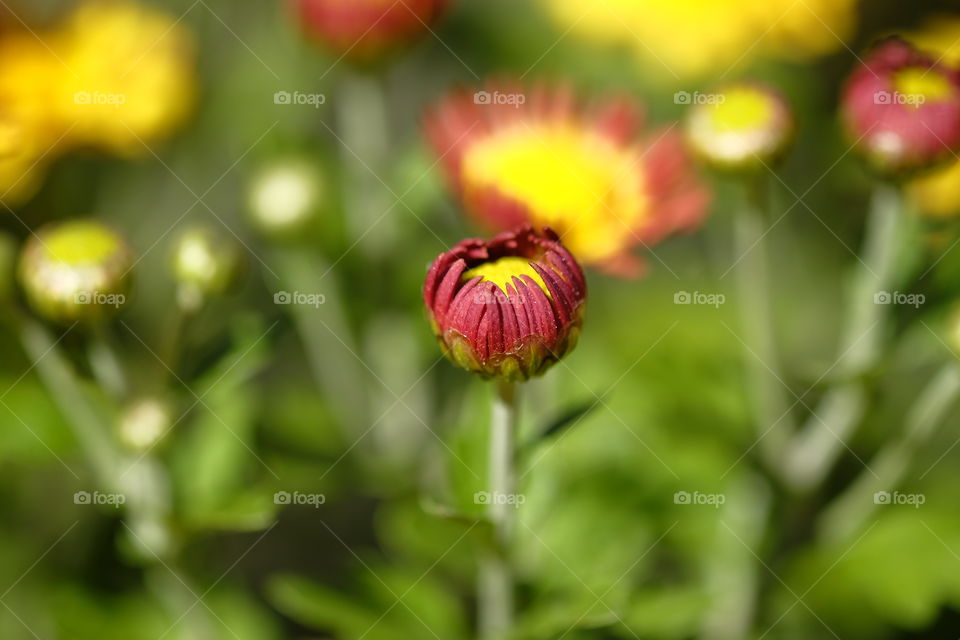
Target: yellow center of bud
{"x": 78, "y": 243}
{"x": 574, "y": 180}
{"x": 502, "y": 271}
{"x": 922, "y": 85}
{"x": 742, "y": 108}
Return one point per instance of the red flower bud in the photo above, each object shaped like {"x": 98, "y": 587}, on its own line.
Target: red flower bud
{"x": 903, "y": 109}
{"x": 509, "y": 307}
{"x": 364, "y": 30}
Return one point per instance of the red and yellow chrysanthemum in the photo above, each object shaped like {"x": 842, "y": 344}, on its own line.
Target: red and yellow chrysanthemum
{"x": 536, "y": 156}
{"x": 901, "y": 107}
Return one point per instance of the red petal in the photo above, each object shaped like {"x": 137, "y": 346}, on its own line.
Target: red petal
{"x": 518, "y": 300}
{"x": 558, "y": 290}
{"x": 461, "y": 304}
{"x": 447, "y": 289}
{"x": 541, "y": 310}
{"x": 571, "y": 274}
{"x": 494, "y": 330}
{"x": 511, "y": 326}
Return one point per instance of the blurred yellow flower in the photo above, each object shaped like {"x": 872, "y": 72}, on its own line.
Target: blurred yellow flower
{"x": 941, "y": 34}
{"x": 129, "y": 75}
{"x": 30, "y": 75}
{"x": 937, "y": 195}
{"x": 695, "y": 37}
{"x": 113, "y": 76}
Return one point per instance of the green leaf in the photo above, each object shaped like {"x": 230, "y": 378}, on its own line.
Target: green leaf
{"x": 215, "y": 456}
{"x": 320, "y": 607}
{"x": 569, "y": 418}
{"x": 900, "y": 571}
{"x": 664, "y": 612}
{"x": 418, "y": 599}
{"x": 35, "y": 430}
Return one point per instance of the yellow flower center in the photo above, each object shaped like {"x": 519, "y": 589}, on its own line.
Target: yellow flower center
{"x": 502, "y": 271}
{"x": 742, "y": 108}
{"x": 922, "y": 85}
{"x": 78, "y": 243}
{"x": 578, "y": 182}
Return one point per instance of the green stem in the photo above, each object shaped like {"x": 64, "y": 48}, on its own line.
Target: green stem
{"x": 326, "y": 335}
{"x": 105, "y": 364}
{"x": 62, "y": 384}
{"x": 363, "y": 126}
{"x": 172, "y": 339}
{"x": 145, "y": 483}
{"x": 815, "y": 449}
{"x": 496, "y": 576}
{"x": 846, "y": 514}
{"x": 732, "y": 573}
{"x": 175, "y": 591}
{"x": 771, "y": 408}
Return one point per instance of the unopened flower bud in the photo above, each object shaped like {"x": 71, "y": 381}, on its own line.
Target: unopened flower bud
{"x": 285, "y": 198}
{"x": 507, "y": 308}
{"x": 741, "y": 127}
{"x": 144, "y": 423}
{"x": 206, "y": 264}
{"x": 76, "y": 271}
{"x": 901, "y": 109}
{"x": 365, "y": 31}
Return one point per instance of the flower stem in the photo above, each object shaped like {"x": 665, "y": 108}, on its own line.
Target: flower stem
{"x": 62, "y": 384}
{"x": 175, "y": 592}
{"x": 362, "y": 118}
{"x": 732, "y": 574}
{"x": 170, "y": 348}
{"x": 496, "y": 579}
{"x": 326, "y": 335}
{"x": 817, "y": 446}
{"x": 847, "y": 513}
{"x": 105, "y": 364}
{"x": 145, "y": 482}
{"x": 771, "y": 409}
